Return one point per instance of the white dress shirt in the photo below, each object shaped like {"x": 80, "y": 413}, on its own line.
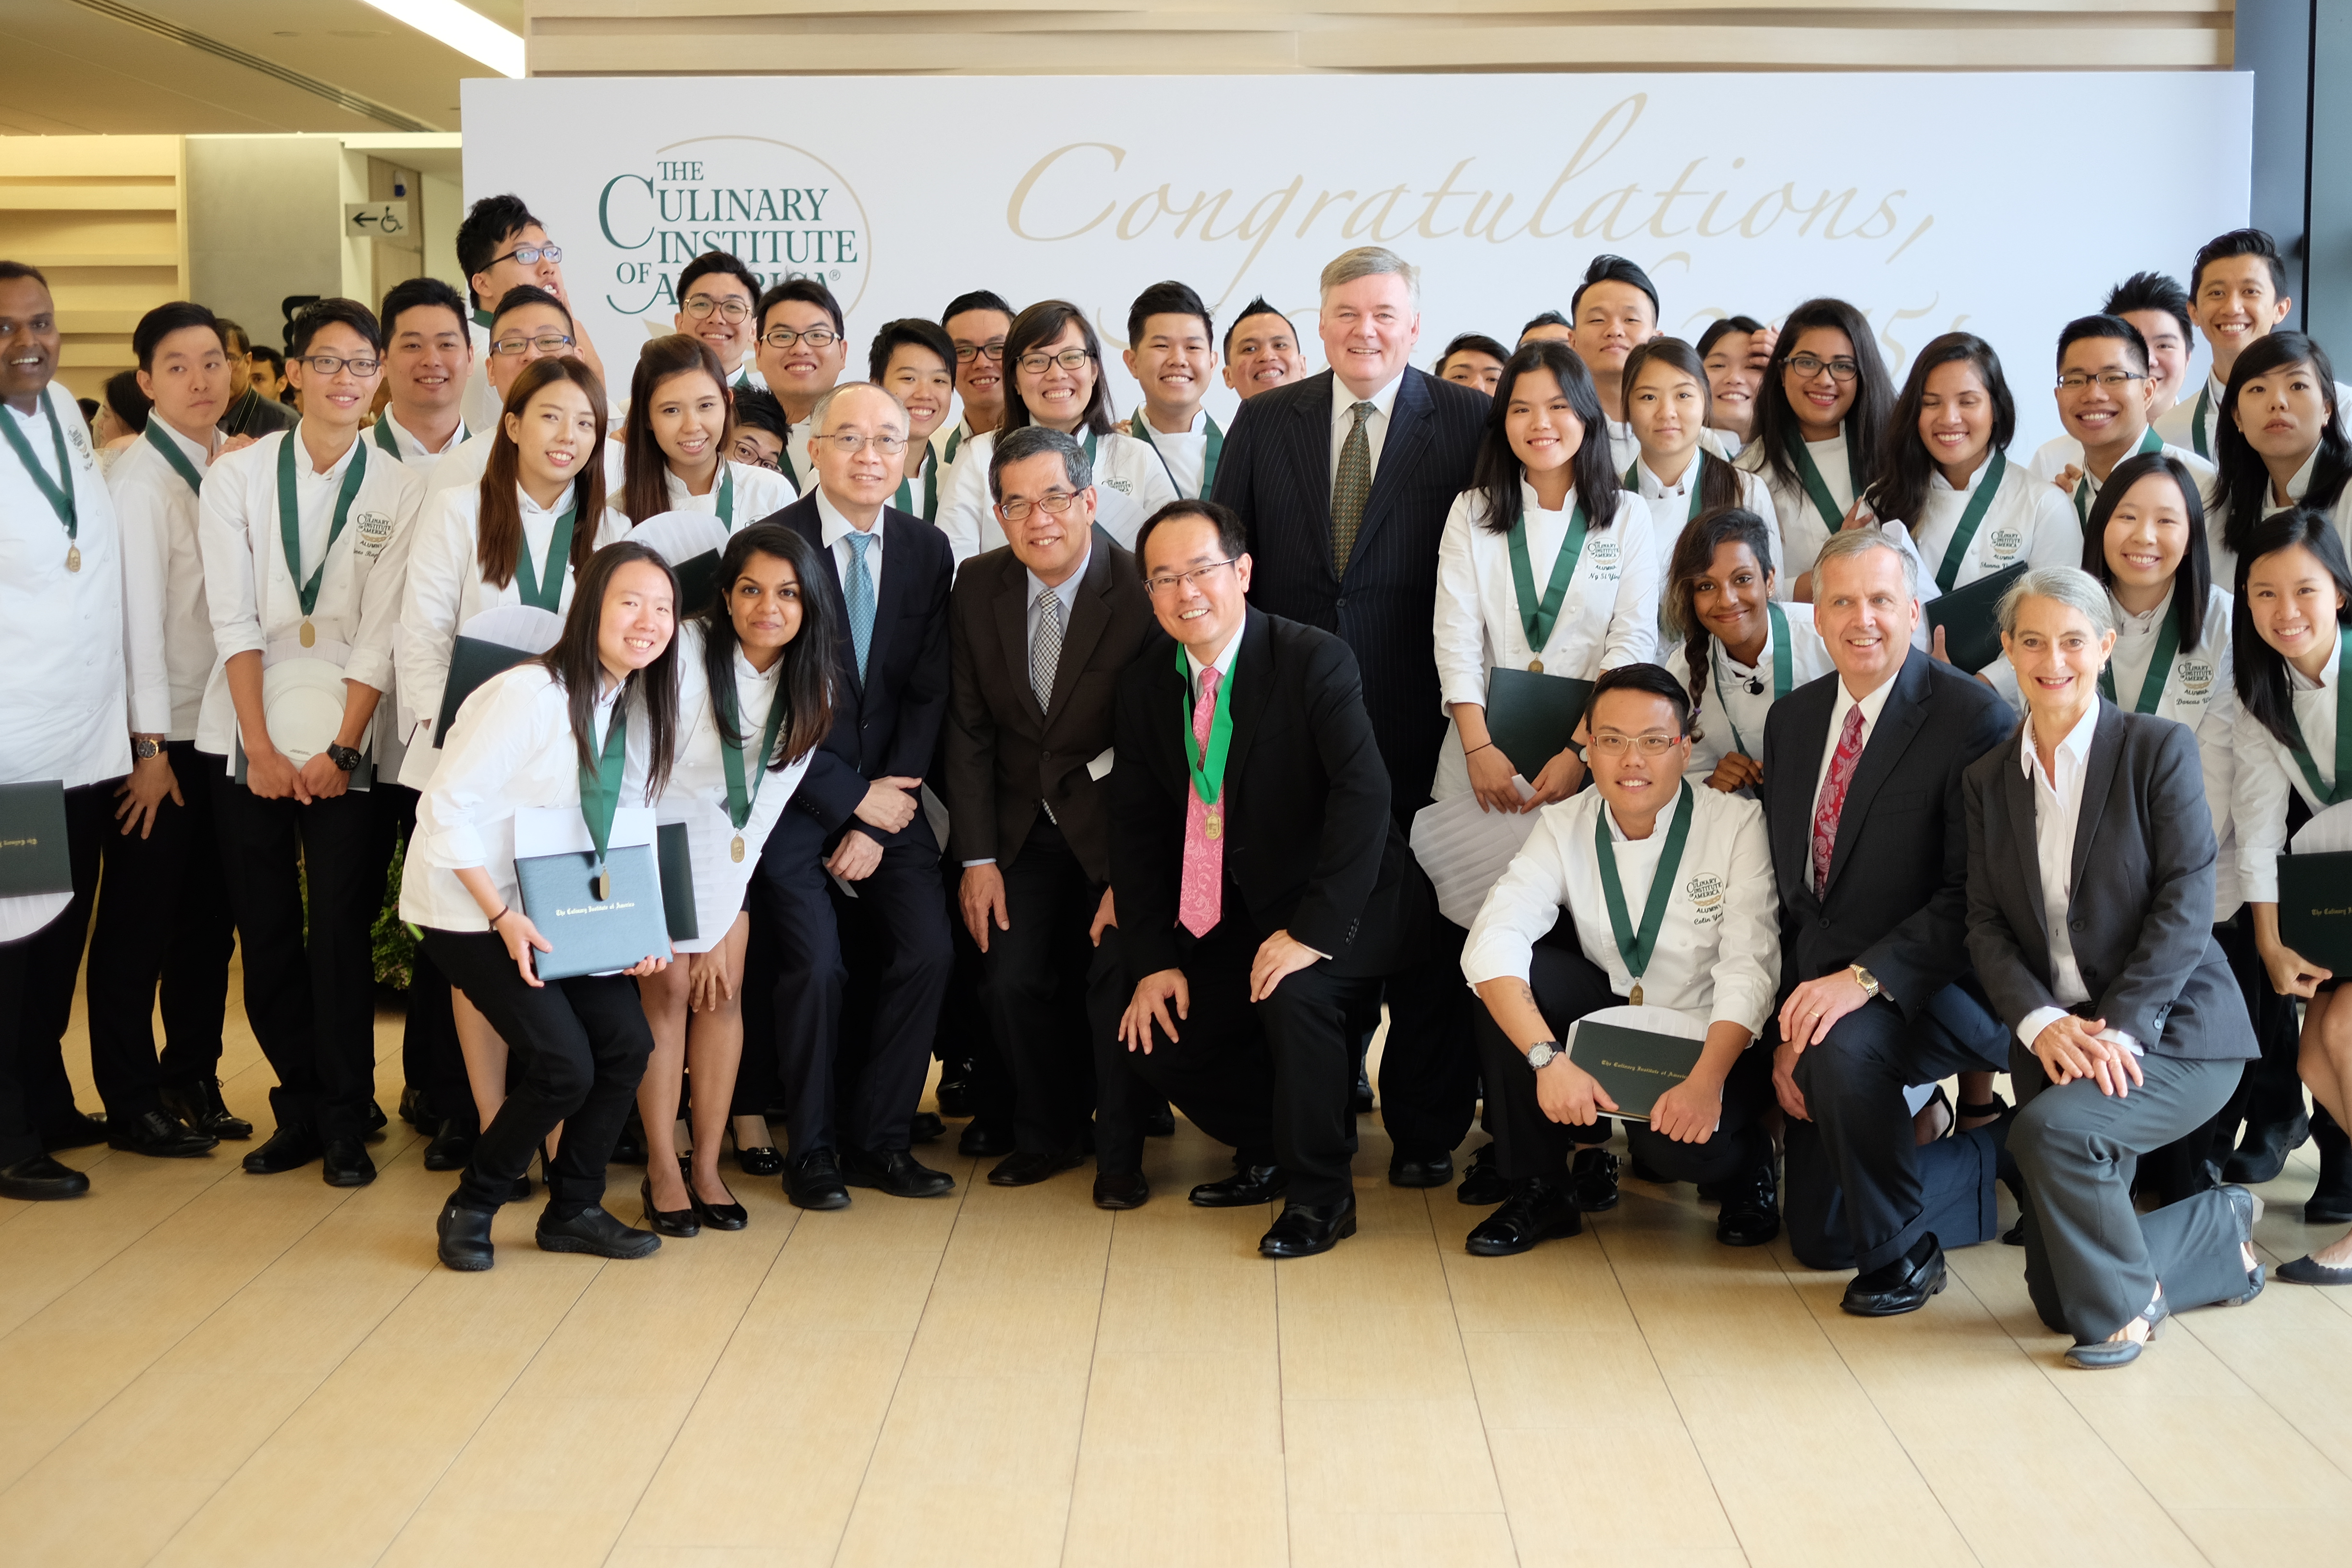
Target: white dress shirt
{"x": 250, "y": 589}
{"x": 2057, "y": 812}
{"x": 800, "y": 468}
{"x": 1718, "y": 948}
{"x": 1802, "y": 531}
{"x": 511, "y": 748}
{"x": 1731, "y": 717}
{"x": 66, "y": 706}
{"x": 696, "y": 792}
{"x": 1623, "y": 445}
{"x": 1872, "y": 705}
{"x": 2026, "y": 520}
{"x": 835, "y": 530}
{"x": 1185, "y": 454}
{"x": 1670, "y": 511}
{"x": 758, "y": 493}
{"x": 445, "y": 589}
{"x": 2267, "y": 770}
{"x": 1130, "y": 484}
{"x": 163, "y": 568}
{"x": 1376, "y": 423}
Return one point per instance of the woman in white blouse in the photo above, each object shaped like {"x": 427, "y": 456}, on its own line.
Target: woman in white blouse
{"x": 1743, "y": 651}
{"x": 1669, "y": 409}
{"x": 529, "y": 738}
{"x": 755, "y": 700}
{"x": 1056, "y": 365}
{"x": 1545, "y": 506}
{"x": 2294, "y": 737}
{"x": 1820, "y": 421}
{"x": 675, "y": 438}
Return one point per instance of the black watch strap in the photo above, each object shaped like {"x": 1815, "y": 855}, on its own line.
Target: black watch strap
{"x": 344, "y": 757}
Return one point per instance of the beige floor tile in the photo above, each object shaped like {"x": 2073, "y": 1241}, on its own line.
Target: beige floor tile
{"x": 1355, "y": 1540}
{"x": 1388, "y": 1456}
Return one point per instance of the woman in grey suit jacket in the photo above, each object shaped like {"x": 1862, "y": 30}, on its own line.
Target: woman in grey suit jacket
{"x": 2091, "y": 855}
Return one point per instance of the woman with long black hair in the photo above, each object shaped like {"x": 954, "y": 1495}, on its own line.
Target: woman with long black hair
{"x": 677, "y": 437}
{"x": 2284, "y": 445}
{"x": 1821, "y": 420}
{"x": 756, "y": 699}
{"x": 588, "y": 726}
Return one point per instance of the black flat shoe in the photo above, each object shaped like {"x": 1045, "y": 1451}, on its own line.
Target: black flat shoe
{"x": 2262, "y": 1154}
{"x": 153, "y": 1133}
{"x": 668, "y": 1222}
{"x": 288, "y": 1149}
{"x": 596, "y": 1232}
{"x": 521, "y": 1188}
{"x": 2108, "y": 1354}
{"x": 1483, "y": 1183}
{"x": 1421, "y": 1170}
{"x": 1023, "y": 1169}
{"x": 1751, "y": 1210}
{"x": 983, "y": 1139}
{"x": 74, "y": 1131}
{"x": 2305, "y": 1272}
{"x": 39, "y": 1180}
{"x": 1903, "y": 1286}
{"x": 1535, "y": 1211}
{"x": 925, "y": 1127}
{"x": 1592, "y": 1177}
{"x": 345, "y": 1162}
{"x": 1248, "y": 1187}
{"x": 895, "y": 1171}
{"x": 452, "y": 1146}
{"x": 1128, "y": 1190}
{"x": 465, "y": 1238}
{"x": 1306, "y": 1229}
{"x": 813, "y": 1180}
{"x": 199, "y": 1104}
{"x": 755, "y": 1159}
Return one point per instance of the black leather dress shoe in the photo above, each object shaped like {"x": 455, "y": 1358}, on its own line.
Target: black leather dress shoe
{"x": 895, "y": 1171}
{"x": 345, "y": 1164}
{"x": 1306, "y": 1229}
{"x": 1420, "y": 1170}
{"x": 813, "y": 1180}
{"x": 288, "y": 1149}
{"x": 414, "y": 1108}
{"x": 1248, "y": 1187}
{"x": 2262, "y": 1154}
{"x": 1483, "y": 1183}
{"x": 199, "y": 1104}
{"x": 1160, "y": 1123}
{"x": 465, "y": 1236}
{"x": 452, "y": 1146}
{"x": 984, "y": 1139}
{"x": 1128, "y": 1190}
{"x": 74, "y": 1131}
{"x": 1536, "y": 1210}
{"x": 595, "y": 1231}
{"x": 1640, "y": 1172}
{"x": 376, "y": 1120}
{"x": 668, "y": 1222}
{"x": 1592, "y": 1177}
{"x": 1903, "y": 1286}
{"x": 153, "y": 1134}
{"x": 39, "y": 1179}
{"x": 1359, "y": 1097}
{"x": 1021, "y": 1168}
{"x": 1751, "y": 1210}
{"x": 955, "y": 1092}
{"x": 925, "y": 1127}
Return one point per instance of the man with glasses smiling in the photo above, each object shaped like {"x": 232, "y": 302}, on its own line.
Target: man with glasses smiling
{"x": 717, "y": 298}
{"x": 803, "y": 348}
{"x": 2103, "y": 399}
{"x": 501, "y": 247}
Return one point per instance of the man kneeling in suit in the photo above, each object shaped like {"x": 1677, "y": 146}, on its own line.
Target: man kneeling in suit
{"x": 1263, "y": 889}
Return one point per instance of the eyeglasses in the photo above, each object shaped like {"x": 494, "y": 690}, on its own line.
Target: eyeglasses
{"x": 529, "y": 255}
{"x": 2112, "y": 380}
{"x": 1069, "y": 359}
{"x": 967, "y": 353}
{"x": 1807, "y": 366}
{"x": 1053, "y": 501}
{"x": 333, "y": 364}
{"x": 815, "y": 337}
{"x": 732, "y": 312}
{"x": 849, "y": 441}
{"x": 546, "y": 344}
{"x": 1610, "y": 743}
{"x": 1198, "y": 576}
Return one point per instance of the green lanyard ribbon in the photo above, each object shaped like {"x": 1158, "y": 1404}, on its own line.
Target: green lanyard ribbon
{"x": 1955, "y": 554}
{"x": 2343, "y": 788}
{"x": 2197, "y": 436}
{"x": 290, "y": 517}
{"x": 1537, "y": 618}
{"x": 385, "y": 439}
{"x": 1636, "y": 948}
{"x": 61, "y": 500}
{"x": 157, "y": 438}
{"x": 1698, "y": 471}
{"x": 1208, "y": 767}
{"x": 1140, "y": 429}
{"x": 955, "y": 440}
{"x": 2159, "y": 669}
{"x": 543, "y": 589}
{"x": 600, "y": 794}
{"x": 1784, "y": 671}
{"x": 2150, "y": 442}
{"x": 905, "y": 499}
{"x": 1818, "y": 487}
{"x": 741, "y": 795}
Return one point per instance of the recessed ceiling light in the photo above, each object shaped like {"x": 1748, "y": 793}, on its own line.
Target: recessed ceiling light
{"x": 468, "y": 32}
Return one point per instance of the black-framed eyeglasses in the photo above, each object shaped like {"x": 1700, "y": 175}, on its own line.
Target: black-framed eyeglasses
{"x": 1807, "y": 366}
{"x": 1038, "y": 362}
{"x": 529, "y": 255}
{"x": 333, "y": 364}
{"x": 732, "y": 312}
{"x": 815, "y": 337}
{"x": 546, "y": 344}
{"x": 1166, "y": 582}
{"x": 746, "y": 450}
{"x": 2112, "y": 380}
{"x": 1056, "y": 502}
{"x": 993, "y": 351}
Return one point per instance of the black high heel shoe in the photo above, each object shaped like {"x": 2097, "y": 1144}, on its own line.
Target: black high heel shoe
{"x": 759, "y": 1160}
{"x": 669, "y": 1222}
{"x": 728, "y": 1216}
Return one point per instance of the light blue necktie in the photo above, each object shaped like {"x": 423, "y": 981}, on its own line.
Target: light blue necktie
{"x": 860, "y": 593}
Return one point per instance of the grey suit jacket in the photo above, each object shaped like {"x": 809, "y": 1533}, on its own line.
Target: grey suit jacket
{"x": 2141, "y": 912}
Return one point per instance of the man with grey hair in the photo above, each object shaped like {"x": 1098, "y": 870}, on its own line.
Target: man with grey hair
{"x": 1343, "y": 480}
{"x": 1038, "y": 633}
{"x": 1862, "y": 805}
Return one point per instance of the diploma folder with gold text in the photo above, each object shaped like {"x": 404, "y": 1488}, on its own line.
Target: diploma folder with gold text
{"x": 554, "y": 861}
{"x": 1634, "y": 1065}
{"x": 2315, "y": 907}
{"x": 32, "y": 857}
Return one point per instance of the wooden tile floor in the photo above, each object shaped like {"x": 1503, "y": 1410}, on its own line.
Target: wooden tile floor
{"x": 202, "y": 1367}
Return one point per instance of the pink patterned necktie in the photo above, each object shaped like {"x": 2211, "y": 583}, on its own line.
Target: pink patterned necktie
{"x": 1833, "y": 800}
{"x": 1202, "y": 901}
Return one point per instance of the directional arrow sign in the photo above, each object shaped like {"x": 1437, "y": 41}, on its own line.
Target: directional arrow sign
{"x": 378, "y": 220}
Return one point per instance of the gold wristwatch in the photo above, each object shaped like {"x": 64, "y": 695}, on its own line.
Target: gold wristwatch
{"x": 1867, "y": 980}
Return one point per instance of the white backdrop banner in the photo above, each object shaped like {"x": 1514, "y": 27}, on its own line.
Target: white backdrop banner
{"x": 1930, "y": 201}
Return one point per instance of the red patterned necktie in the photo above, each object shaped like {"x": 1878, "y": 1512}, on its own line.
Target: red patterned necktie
{"x": 1201, "y": 901}
{"x": 1833, "y": 800}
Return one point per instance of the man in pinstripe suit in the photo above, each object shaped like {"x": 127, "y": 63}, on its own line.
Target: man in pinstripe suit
{"x": 1343, "y": 480}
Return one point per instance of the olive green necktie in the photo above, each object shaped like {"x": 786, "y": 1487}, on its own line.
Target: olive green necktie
{"x": 1349, "y": 487}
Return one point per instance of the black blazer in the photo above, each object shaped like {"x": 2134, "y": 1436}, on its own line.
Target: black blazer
{"x": 1310, "y": 844}
{"x": 1896, "y": 902}
{"x": 2140, "y": 918}
{"x": 1006, "y": 754}
{"x": 1276, "y": 473}
{"x": 888, "y": 726}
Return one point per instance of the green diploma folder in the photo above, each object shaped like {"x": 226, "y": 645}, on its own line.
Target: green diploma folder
{"x": 2315, "y": 907}
{"x": 676, "y": 853}
{"x": 32, "y": 857}
{"x": 1531, "y": 717}
{"x": 472, "y": 661}
{"x": 1634, "y": 1066}
{"x": 1972, "y": 632}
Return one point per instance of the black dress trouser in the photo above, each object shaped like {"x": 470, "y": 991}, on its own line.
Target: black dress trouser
{"x": 578, "y": 1048}
{"x": 37, "y": 986}
{"x": 1429, "y": 1064}
{"x": 312, "y": 1002}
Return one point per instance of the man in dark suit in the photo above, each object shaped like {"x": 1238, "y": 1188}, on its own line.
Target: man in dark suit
{"x": 1040, "y": 631}
{"x": 1862, "y": 802}
{"x": 1263, "y": 888}
{"x": 856, "y": 817}
{"x": 1342, "y": 482}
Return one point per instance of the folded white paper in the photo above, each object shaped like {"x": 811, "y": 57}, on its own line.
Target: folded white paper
{"x": 1099, "y": 767}
{"x": 561, "y": 830}
{"x": 1465, "y": 850}
{"x": 1671, "y": 1021}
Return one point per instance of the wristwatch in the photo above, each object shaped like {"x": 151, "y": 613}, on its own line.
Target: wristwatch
{"x": 1543, "y": 1053}
{"x": 145, "y": 746}
{"x": 1867, "y": 980}
{"x": 344, "y": 757}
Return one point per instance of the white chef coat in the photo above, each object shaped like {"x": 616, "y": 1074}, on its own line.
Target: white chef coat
{"x": 410, "y": 448}
{"x": 2267, "y": 770}
{"x": 696, "y": 792}
{"x": 1802, "y": 531}
{"x": 758, "y": 492}
{"x": 163, "y": 566}
{"x": 2026, "y": 521}
{"x": 1130, "y": 484}
{"x": 2200, "y": 692}
{"x": 1727, "y": 718}
{"x": 2057, "y": 812}
{"x": 2298, "y": 488}
{"x": 1186, "y": 455}
{"x": 1718, "y": 947}
{"x": 1670, "y": 511}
